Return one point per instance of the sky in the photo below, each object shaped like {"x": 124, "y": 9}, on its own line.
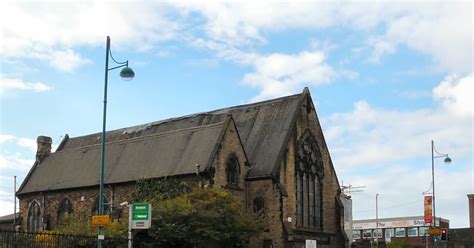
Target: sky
{"x": 387, "y": 78}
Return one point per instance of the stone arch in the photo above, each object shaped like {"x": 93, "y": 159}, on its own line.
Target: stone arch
{"x": 309, "y": 187}
{"x": 35, "y": 217}
{"x": 64, "y": 208}
{"x": 232, "y": 170}
{"x": 259, "y": 204}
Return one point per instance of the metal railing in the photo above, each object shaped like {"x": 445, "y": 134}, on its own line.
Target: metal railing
{"x": 12, "y": 239}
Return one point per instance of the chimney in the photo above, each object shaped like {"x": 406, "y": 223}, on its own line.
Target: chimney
{"x": 44, "y": 148}
{"x": 471, "y": 210}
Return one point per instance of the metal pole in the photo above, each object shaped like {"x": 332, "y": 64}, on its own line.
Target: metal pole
{"x": 435, "y": 239}
{"x": 130, "y": 226}
{"x": 102, "y": 160}
{"x": 14, "y": 202}
{"x": 377, "y": 218}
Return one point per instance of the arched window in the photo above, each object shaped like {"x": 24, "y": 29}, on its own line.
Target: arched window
{"x": 258, "y": 204}
{"x": 34, "y": 223}
{"x": 309, "y": 174}
{"x": 232, "y": 170}
{"x": 65, "y": 208}
{"x": 95, "y": 206}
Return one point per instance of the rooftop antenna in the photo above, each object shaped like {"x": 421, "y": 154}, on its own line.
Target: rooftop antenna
{"x": 349, "y": 189}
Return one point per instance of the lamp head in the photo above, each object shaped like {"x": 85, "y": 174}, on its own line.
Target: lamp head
{"x": 127, "y": 73}
{"x": 447, "y": 160}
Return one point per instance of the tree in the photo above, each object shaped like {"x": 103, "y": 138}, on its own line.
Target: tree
{"x": 80, "y": 224}
{"x": 203, "y": 217}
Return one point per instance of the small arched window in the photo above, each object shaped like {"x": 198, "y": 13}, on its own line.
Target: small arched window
{"x": 258, "y": 204}
{"x": 65, "y": 208}
{"x": 95, "y": 206}
{"x": 34, "y": 217}
{"x": 232, "y": 170}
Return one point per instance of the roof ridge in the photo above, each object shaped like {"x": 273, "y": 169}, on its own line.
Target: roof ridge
{"x": 150, "y": 136}
{"x": 254, "y": 104}
{"x": 211, "y": 112}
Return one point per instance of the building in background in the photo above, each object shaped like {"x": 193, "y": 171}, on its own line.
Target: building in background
{"x": 463, "y": 237}
{"x": 347, "y": 202}
{"x": 411, "y": 229}
{"x": 7, "y": 222}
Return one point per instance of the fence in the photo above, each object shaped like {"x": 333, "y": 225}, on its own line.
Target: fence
{"x": 12, "y": 239}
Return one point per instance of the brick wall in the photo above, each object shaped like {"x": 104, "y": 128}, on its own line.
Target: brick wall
{"x": 307, "y": 119}
{"x": 82, "y": 200}
{"x": 272, "y": 212}
{"x": 230, "y": 144}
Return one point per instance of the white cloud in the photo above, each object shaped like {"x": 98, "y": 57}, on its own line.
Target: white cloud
{"x": 281, "y": 74}
{"x": 6, "y": 198}
{"x": 456, "y": 94}
{"x": 50, "y": 31}
{"x": 67, "y": 60}
{"x": 234, "y": 30}
{"x": 6, "y": 138}
{"x": 28, "y": 143}
{"x": 401, "y": 186}
{"x": 13, "y": 83}
{"x": 6, "y": 207}
{"x": 434, "y": 30}
{"x": 15, "y": 161}
{"x": 429, "y": 28}
{"x": 389, "y": 151}
{"x": 380, "y": 47}
{"x": 372, "y": 137}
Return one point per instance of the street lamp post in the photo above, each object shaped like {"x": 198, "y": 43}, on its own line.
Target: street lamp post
{"x": 127, "y": 74}
{"x": 376, "y": 220}
{"x": 447, "y": 160}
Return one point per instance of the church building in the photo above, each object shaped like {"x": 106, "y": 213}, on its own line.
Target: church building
{"x": 270, "y": 155}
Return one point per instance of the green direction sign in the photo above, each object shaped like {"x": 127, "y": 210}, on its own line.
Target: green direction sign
{"x": 140, "y": 215}
{"x": 140, "y": 211}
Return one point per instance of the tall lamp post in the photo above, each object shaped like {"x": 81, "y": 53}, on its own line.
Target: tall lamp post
{"x": 127, "y": 74}
{"x": 376, "y": 220}
{"x": 447, "y": 160}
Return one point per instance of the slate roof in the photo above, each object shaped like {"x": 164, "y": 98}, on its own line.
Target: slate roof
{"x": 264, "y": 129}
{"x": 8, "y": 218}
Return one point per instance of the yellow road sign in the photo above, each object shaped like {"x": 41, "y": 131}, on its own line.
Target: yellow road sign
{"x": 434, "y": 231}
{"x": 100, "y": 220}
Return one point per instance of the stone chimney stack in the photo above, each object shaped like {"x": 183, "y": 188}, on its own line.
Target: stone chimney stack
{"x": 471, "y": 210}
{"x": 44, "y": 148}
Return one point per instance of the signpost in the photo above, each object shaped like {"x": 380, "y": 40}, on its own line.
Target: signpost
{"x": 139, "y": 217}
{"x": 100, "y": 220}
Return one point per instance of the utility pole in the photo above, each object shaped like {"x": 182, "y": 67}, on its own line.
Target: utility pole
{"x": 14, "y": 202}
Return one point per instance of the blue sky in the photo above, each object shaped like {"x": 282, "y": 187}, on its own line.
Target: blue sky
{"x": 387, "y": 78}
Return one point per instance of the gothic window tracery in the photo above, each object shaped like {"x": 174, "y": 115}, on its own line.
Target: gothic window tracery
{"x": 232, "y": 171}
{"x": 309, "y": 174}
{"x": 65, "y": 207}
{"x": 258, "y": 204}
{"x": 34, "y": 222}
